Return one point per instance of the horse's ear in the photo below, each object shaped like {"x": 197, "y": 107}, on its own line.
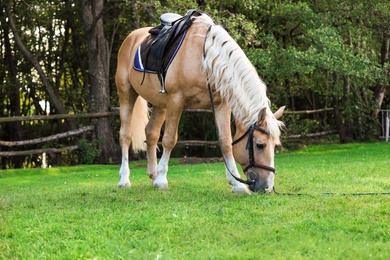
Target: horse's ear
{"x": 279, "y": 113}
{"x": 261, "y": 117}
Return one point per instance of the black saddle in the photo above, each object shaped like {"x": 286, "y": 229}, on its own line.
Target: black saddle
{"x": 172, "y": 26}
{"x": 169, "y": 18}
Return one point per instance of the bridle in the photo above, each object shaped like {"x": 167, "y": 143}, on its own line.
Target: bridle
{"x": 249, "y": 145}
{"x": 252, "y": 164}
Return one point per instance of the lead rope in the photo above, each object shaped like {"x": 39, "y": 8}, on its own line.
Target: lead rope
{"x": 248, "y": 182}
{"x": 331, "y": 194}
{"x": 251, "y": 182}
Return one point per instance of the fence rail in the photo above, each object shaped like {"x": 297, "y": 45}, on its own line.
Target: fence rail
{"x": 48, "y": 138}
{"x": 38, "y": 151}
{"x": 312, "y": 134}
{"x": 114, "y": 112}
{"x": 43, "y": 140}
{"x": 58, "y": 116}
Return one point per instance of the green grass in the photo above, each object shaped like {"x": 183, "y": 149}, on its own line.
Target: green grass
{"x": 78, "y": 213}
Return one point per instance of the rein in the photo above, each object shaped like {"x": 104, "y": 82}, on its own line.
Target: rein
{"x": 249, "y": 132}
{"x": 252, "y": 164}
{"x": 249, "y": 181}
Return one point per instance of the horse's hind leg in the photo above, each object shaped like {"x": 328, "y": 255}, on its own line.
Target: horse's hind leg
{"x": 127, "y": 98}
{"x": 152, "y": 131}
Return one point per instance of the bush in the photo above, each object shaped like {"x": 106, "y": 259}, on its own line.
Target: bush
{"x": 87, "y": 151}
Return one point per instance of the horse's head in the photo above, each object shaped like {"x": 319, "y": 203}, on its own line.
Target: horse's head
{"x": 253, "y": 149}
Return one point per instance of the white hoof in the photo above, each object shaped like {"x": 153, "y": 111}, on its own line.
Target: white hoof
{"x": 160, "y": 183}
{"x": 241, "y": 189}
{"x": 160, "y": 186}
{"x": 124, "y": 184}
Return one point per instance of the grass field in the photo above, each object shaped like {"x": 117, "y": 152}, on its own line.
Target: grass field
{"x": 78, "y": 213}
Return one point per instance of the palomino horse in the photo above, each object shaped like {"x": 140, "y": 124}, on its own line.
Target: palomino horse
{"x": 208, "y": 57}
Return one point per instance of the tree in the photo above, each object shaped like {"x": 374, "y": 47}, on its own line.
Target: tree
{"x": 323, "y": 53}
{"x": 311, "y": 54}
{"x": 35, "y": 62}
{"x": 99, "y": 58}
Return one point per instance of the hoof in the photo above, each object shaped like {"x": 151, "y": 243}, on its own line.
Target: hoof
{"x": 160, "y": 186}
{"x": 152, "y": 176}
{"x": 126, "y": 184}
{"x": 161, "y": 182}
{"x": 241, "y": 189}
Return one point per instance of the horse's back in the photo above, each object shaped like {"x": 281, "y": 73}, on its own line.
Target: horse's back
{"x": 129, "y": 46}
{"x": 185, "y": 75}
{"x": 184, "y": 78}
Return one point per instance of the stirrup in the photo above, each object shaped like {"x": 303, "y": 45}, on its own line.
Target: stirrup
{"x": 162, "y": 88}
{"x": 162, "y": 84}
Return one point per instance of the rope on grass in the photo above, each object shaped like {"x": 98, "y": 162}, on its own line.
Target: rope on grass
{"x": 332, "y": 194}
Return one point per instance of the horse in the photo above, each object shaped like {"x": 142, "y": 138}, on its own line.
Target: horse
{"x": 208, "y": 58}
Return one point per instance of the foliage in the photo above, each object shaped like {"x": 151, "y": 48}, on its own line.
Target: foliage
{"x": 311, "y": 54}
{"x": 77, "y": 212}
{"x": 87, "y": 151}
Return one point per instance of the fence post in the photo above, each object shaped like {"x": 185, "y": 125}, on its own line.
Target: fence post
{"x": 387, "y": 125}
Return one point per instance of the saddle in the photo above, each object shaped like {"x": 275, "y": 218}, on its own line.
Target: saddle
{"x": 162, "y": 44}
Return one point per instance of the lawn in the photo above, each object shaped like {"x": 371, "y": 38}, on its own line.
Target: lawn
{"x": 78, "y": 213}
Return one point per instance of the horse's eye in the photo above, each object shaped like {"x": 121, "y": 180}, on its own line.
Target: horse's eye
{"x": 260, "y": 146}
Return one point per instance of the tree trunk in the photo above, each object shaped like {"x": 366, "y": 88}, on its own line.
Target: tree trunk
{"x": 380, "y": 90}
{"x": 344, "y": 134}
{"x": 16, "y": 133}
{"x": 99, "y": 58}
{"x": 349, "y": 112}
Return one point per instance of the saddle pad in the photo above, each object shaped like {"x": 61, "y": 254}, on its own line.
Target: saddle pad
{"x": 145, "y": 63}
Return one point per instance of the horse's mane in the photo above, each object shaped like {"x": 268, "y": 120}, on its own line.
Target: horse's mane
{"x": 235, "y": 78}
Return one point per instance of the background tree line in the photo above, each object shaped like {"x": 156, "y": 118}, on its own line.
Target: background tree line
{"x": 59, "y": 57}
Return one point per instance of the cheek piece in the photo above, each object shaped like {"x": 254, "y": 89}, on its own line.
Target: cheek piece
{"x": 252, "y": 164}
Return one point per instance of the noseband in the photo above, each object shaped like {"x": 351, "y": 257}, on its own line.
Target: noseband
{"x": 249, "y": 147}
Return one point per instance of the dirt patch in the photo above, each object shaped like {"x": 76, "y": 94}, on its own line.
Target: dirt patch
{"x": 198, "y": 160}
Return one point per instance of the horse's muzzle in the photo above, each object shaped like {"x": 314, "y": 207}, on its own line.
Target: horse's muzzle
{"x": 257, "y": 183}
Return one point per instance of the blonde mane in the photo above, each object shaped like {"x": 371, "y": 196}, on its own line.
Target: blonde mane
{"x": 234, "y": 77}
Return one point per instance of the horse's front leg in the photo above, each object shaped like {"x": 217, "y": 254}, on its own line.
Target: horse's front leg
{"x": 223, "y": 116}
{"x": 173, "y": 113}
{"x": 152, "y": 131}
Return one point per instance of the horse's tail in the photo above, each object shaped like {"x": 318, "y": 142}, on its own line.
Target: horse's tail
{"x": 139, "y": 121}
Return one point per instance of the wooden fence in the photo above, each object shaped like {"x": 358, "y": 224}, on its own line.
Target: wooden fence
{"x": 43, "y": 140}
{"x": 114, "y": 112}
{"x": 385, "y": 124}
